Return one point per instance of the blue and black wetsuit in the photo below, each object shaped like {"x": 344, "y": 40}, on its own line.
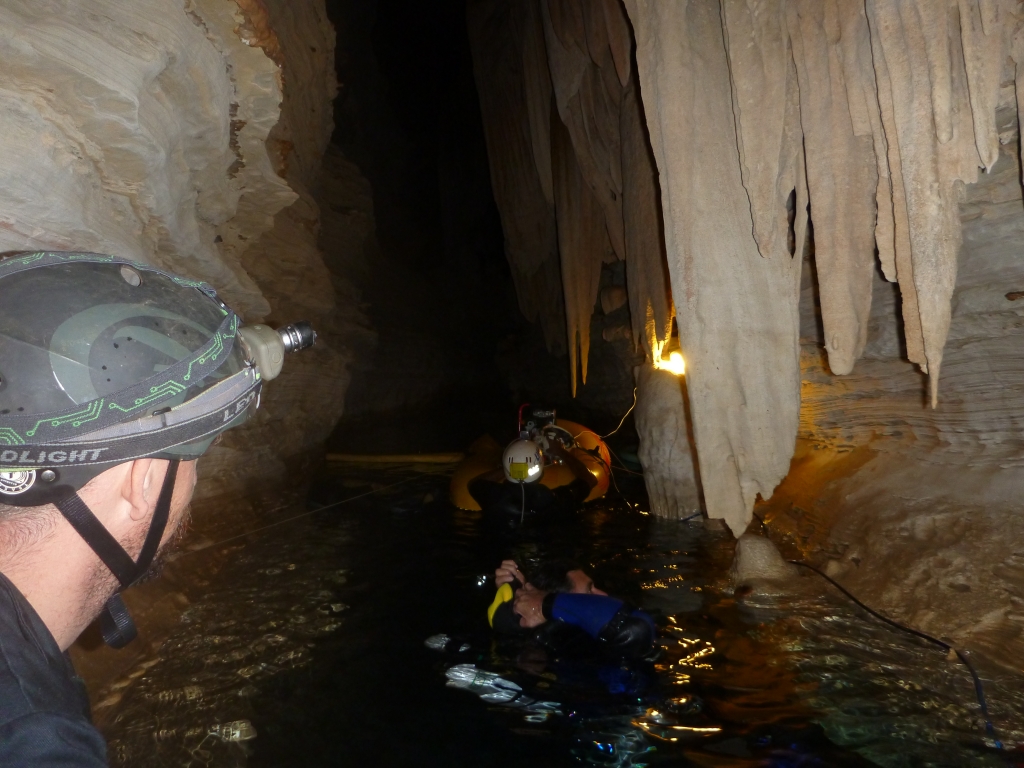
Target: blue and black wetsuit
{"x": 574, "y": 619}
{"x": 619, "y": 628}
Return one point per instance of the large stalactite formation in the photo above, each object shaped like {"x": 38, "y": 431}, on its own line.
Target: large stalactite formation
{"x": 736, "y": 309}
{"x": 867, "y": 117}
{"x": 569, "y": 154}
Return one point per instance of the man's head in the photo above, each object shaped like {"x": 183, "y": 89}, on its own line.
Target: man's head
{"x": 563, "y": 576}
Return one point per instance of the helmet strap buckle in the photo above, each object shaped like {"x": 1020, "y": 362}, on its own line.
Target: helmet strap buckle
{"x": 115, "y": 622}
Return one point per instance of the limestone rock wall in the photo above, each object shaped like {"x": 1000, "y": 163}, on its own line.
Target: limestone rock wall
{"x": 917, "y": 510}
{"x": 190, "y": 136}
{"x": 978, "y": 424}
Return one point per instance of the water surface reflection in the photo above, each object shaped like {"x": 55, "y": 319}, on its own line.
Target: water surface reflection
{"x": 310, "y": 636}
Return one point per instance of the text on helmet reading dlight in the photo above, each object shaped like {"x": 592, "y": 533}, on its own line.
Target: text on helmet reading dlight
{"x": 31, "y": 458}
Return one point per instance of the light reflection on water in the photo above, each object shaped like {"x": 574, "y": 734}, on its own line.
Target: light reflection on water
{"x": 803, "y": 678}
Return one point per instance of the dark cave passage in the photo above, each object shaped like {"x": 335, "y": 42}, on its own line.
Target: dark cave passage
{"x": 668, "y": 292}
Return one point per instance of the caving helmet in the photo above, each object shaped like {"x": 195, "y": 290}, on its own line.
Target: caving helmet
{"x": 103, "y": 361}
{"x": 522, "y": 461}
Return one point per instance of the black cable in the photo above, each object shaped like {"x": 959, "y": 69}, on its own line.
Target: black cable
{"x": 623, "y": 466}
{"x": 978, "y": 689}
{"x": 596, "y": 453}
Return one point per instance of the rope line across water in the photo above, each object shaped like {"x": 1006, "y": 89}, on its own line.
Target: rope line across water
{"x": 304, "y": 514}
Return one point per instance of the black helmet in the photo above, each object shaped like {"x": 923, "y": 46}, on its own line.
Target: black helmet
{"x": 102, "y": 361}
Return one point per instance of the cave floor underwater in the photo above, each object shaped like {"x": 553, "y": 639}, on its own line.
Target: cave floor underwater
{"x": 307, "y": 649}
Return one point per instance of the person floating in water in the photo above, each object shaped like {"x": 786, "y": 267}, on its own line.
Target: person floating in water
{"x": 561, "y": 606}
{"x": 514, "y": 489}
{"x": 560, "y": 629}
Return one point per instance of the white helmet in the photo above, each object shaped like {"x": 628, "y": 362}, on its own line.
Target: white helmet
{"x": 522, "y": 461}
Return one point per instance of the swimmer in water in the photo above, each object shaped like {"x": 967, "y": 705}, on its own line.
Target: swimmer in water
{"x": 560, "y": 602}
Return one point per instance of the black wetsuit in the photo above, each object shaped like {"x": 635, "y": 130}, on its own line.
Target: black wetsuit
{"x": 584, "y": 625}
{"x": 508, "y": 498}
{"x": 44, "y": 708}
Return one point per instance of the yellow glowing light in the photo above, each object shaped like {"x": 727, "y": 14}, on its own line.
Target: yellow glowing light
{"x": 674, "y": 363}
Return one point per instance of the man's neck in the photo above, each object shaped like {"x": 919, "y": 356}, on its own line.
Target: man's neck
{"x": 57, "y": 575}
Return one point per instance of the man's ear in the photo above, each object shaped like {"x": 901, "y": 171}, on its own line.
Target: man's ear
{"x": 142, "y": 487}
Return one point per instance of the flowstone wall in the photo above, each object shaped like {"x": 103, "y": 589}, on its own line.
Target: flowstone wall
{"x": 189, "y": 136}
{"x": 918, "y": 510}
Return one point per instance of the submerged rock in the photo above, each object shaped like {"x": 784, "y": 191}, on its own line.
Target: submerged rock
{"x": 758, "y": 559}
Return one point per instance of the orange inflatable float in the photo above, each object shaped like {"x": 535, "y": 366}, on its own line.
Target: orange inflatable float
{"x": 485, "y": 456}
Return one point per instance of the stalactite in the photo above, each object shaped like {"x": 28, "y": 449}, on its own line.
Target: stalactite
{"x": 650, "y": 298}
{"x": 865, "y": 113}
{"x": 736, "y": 310}
{"x": 760, "y": 62}
{"x": 527, "y": 217}
{"x": 588, "y": 95}
{"x": 841, "y": 176}
{"x": 932, "y": 22}
{"x": 583, "y": 245}
{"x": 537, "y": 90}
{"x": 766, "y": 107}
{"x": 620, "y": 39}
{"x": 902, "y": 266}
{"x": 576, "y": 55}
{"x": 932, "y": 168}
{"x": 985, "y": 29}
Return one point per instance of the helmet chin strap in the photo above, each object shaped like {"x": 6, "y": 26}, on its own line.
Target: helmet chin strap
{"x": 115, "y": 621}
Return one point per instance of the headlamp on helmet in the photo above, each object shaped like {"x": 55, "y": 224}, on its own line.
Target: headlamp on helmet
{"x": 522, "y": 461}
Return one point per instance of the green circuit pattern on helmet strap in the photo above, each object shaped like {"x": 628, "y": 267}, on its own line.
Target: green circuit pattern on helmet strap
{"x": 156, "y": 395}
{"x": 10, "y": 437}
{"x": 91, "y": 412}
{"x": 216, "y": 345}
{"x": 83, "y": 450}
